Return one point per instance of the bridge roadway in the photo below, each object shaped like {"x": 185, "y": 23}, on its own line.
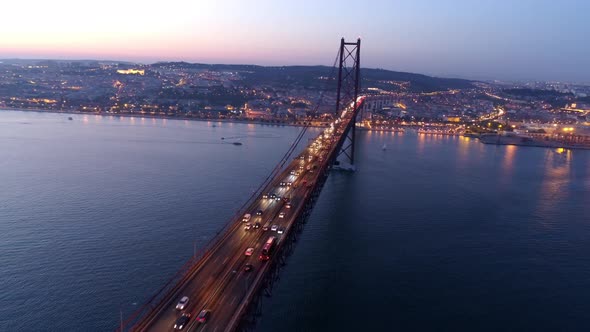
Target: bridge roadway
{"x": 218, "y": 281}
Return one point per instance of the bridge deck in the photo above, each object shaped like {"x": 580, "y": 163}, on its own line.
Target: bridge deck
{"x": 218, "y": 282}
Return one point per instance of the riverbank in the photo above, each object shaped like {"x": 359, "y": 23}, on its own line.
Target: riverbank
{"x": 147, "y": 116}
{"x": 569, "y": 142}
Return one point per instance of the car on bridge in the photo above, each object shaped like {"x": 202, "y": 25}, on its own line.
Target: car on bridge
{"x": 247, "y": 217}
{"x": 282, "y": 215}
{"x": 182, "y": 321}
{"x": 265, "y": 228}
{"x": 249, "y": 251}
{"x": 274, "y": 228}
{"x": 203, "y": 316}
{"x": 248, "y": 226}
{"x": 259, "y": 212}
{"x": 182, "y": 303}
{"x": 277, "y": 198}
{"x": 281, "y": 230}
{"x": 248, "y": 267}
{"x": 256, "y": 225}
{"x": 288, "y": 205}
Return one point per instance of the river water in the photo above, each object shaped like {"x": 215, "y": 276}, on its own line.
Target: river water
{"x": 432, "y": 233}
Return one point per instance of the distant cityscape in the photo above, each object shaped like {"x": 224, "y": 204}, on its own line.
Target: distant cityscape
{"x": 294, "y": 95}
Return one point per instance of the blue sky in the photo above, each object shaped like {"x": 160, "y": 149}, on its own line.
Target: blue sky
{"x": 481, "y": 39}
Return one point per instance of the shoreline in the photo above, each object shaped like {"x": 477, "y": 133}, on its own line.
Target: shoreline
{"x": 541, "y": 145}
{"x": 40, "y": 110}
{"x": 549, "y": 143}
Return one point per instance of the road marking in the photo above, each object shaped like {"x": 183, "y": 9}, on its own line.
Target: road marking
{"x": 233, "y": 300}
{"x": 225, "y": 260}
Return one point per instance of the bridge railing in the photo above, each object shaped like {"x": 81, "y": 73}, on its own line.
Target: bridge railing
{"x": 321, "y": 172}
{"x": 170, "y": 288}
{"x": 163, "y": 294}
{"x": 185, "y": 272}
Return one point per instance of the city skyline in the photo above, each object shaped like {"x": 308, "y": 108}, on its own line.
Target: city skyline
{"x": 529, "y": 40}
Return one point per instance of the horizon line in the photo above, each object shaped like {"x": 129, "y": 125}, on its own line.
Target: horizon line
{"x": 461, "y": 77}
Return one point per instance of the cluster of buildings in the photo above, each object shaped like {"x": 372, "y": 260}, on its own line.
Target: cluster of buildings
{"x": 208, "y": 92}
{"x": 161, "y": 89}
{"x": 483, "y": 102}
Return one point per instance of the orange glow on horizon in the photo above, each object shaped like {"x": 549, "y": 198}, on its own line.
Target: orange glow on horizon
{"x": 118, "y": 30}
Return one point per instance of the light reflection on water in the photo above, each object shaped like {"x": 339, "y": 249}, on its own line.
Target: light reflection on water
{"x": 555, "y": 181}
{"x": 508, "y": 162}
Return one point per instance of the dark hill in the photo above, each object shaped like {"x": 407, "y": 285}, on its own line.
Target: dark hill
{"x": 311, "y": 76}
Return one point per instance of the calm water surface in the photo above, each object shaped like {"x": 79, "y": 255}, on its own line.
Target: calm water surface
{"x": 434, "y": 233}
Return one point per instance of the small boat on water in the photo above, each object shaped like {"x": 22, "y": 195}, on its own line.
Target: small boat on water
{"x": 214, "y": 125}
{"x": 237, "y": 143}
{"x": 70, "y": 118}
{"x": 384, "y": 147}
